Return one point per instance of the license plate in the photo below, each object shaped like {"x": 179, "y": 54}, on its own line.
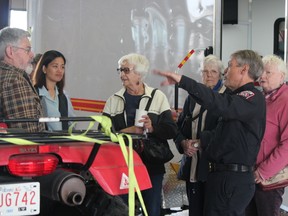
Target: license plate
{"x": 20, "y": 199}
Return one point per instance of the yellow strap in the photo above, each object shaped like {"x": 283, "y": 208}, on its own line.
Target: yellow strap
{"x": 18, "y": 141}
{"x": 133, "y": 183}
{"x": 106, "y": 128}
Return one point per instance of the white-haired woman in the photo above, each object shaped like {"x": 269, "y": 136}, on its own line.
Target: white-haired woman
{"x": 121, "y": 108}
{"x": 191, "y": 122}
{"x": 273, "y": 154}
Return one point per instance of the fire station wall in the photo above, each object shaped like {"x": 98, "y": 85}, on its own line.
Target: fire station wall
{"x": 93, "y": 35}
{"x": 255, "y": 28}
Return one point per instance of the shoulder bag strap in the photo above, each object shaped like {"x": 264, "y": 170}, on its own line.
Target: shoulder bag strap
{"x": 199, "y": 126}
{"x": 150, "y": 99}
{"x": 37, "y": 90}
{"x": 63, "y": 109}
{"x": 188, "y": 117}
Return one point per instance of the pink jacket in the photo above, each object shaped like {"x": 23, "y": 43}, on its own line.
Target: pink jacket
{"x": 273, "y": 153}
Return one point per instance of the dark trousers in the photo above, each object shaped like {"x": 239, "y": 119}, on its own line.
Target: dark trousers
{"x": 265, "y": 203}
{"x": 228, "y": 193}
{"x": 195, "y": 193}
{"x": 152, "y": 197}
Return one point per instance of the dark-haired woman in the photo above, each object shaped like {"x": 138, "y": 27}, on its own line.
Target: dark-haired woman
{"x": 49, "y": 80}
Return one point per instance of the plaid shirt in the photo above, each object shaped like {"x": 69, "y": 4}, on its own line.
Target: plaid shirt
{"x": 18, "y": 98}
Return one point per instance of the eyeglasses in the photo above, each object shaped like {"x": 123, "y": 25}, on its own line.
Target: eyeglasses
{"x": 126, "y": 70}
{"x": 210, "y": 72}
{"x": 27, "y": 50}
{"x": 268, "y": 73}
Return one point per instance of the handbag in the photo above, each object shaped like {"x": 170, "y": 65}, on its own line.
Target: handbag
{"x": 155, "y": 150}
{"x": 277, "y": 181}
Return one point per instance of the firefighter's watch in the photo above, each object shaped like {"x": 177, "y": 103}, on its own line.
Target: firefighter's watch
{"x": 196, "y": 145}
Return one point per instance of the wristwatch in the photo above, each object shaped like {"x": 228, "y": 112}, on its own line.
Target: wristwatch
{"x": 196, "y": 145}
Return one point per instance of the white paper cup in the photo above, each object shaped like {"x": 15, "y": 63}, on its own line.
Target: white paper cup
{"x": 138, "y": 116}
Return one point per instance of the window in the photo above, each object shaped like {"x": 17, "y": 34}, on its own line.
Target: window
{"x": 18, "y": 19}
{"x": 279, "y": 37}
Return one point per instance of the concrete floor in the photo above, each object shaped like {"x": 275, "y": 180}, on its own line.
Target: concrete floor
{"x": 283, "y": 213}
{"x": 185, "y": 213}
{"x": 177, "y": 212}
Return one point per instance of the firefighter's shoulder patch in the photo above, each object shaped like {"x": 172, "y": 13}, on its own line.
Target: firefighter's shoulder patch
{"x": 246, "y": 94}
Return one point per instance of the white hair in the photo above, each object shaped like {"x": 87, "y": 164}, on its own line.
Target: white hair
{"x": 277, "y": 61}
{"x": 140, "y": 62}
{"x": 214, "y": 60}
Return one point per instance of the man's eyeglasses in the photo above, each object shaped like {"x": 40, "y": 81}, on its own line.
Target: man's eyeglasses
{"x": 126, "y": 70}
{"x": 27, "y": 50}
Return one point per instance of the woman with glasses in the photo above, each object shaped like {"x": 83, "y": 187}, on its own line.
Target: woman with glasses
{"x": 121, "y": 108}
{"x": 49, "y": 80}
{"x": 192, "y": 120}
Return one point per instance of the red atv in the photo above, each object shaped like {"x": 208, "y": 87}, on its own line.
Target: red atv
{"x": 63, "y": 176}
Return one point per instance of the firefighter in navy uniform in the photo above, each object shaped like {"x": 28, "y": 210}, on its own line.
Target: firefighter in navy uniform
{"x": 233, "y": 146}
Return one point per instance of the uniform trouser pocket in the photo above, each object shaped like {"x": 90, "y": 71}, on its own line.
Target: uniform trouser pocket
{"x": 228, "y": 193}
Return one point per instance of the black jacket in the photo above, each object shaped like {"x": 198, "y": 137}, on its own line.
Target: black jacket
{"x": 200, "y": 116}
{"x": 241, "y": 125}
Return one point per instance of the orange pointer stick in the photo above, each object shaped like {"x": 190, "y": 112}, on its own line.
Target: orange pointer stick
{"x": 186, "y": 58}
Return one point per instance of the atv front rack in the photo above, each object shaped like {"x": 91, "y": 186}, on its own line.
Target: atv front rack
{"x": 57, "y": 136}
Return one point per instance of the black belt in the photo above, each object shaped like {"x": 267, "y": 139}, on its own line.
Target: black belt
{"x": 213, "y": 167}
